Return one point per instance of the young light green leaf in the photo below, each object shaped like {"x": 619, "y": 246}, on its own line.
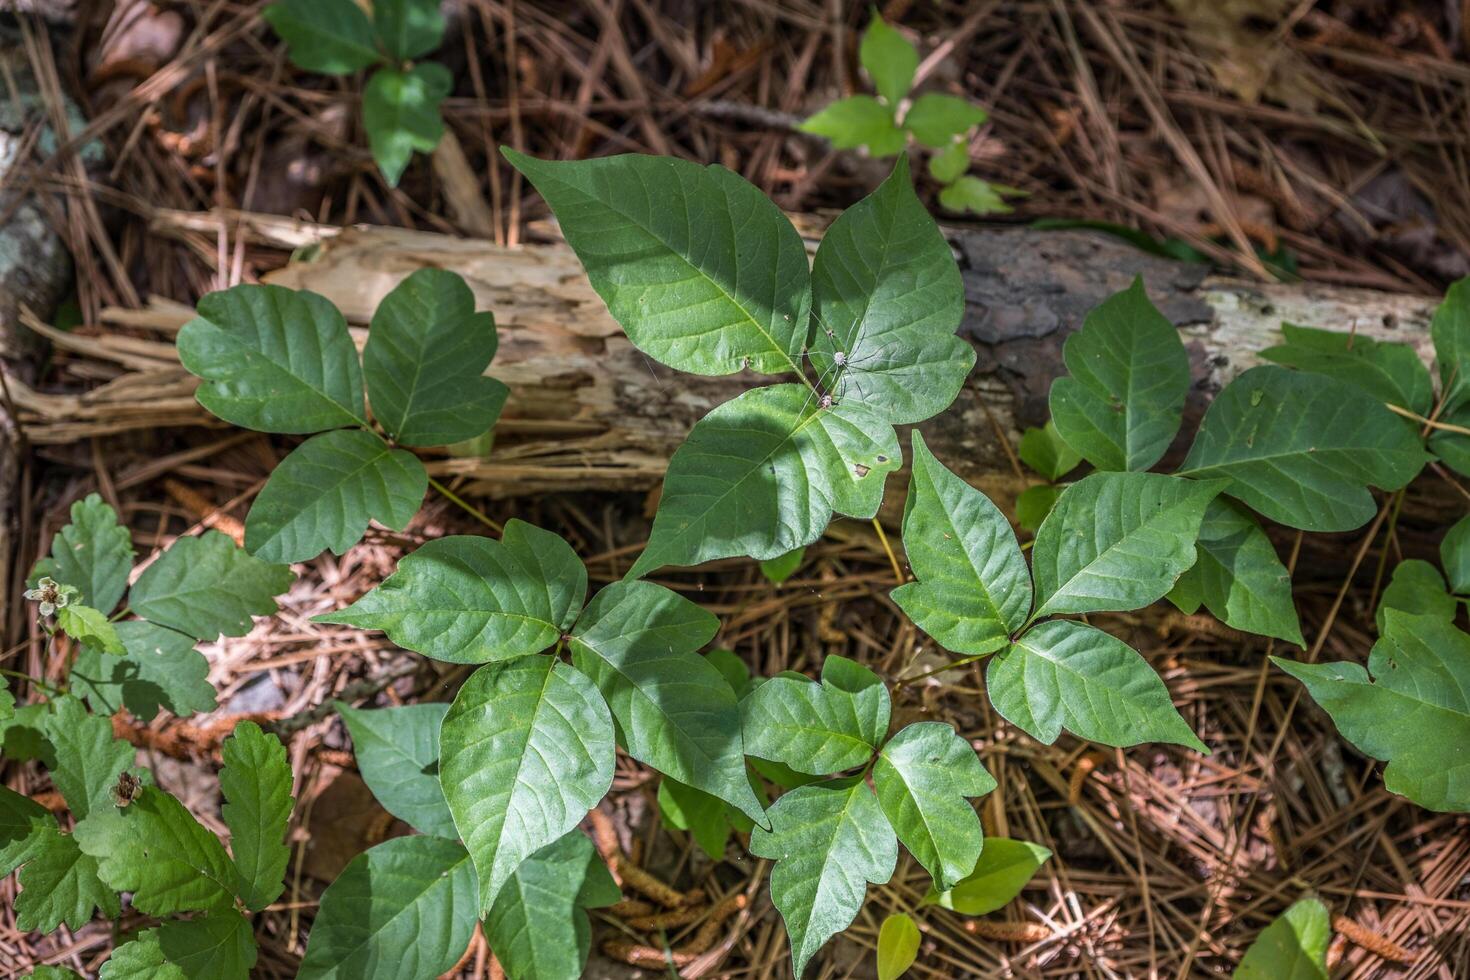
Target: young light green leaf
{"x": 467, "y": 599}
{"x": 705, "y": 817}
{"x": 160, "y": 668}
{"x": 782, "y": 567}
{"x": 527, "y": 749}
{"x": 92, "y": 553}
{"x": 1414, "y": 715}
{"x": 59, "y": 884}
{"x": 408, "y": 28}
{"x": 637, "y": 643}
{"x": 970, "y": 193}
{"x": 998, "y": 876}
{"x": 155, "y": 849}
{"x": 763, "y": 474}
{"x": 206, "y": 585}
{"x": 936, "y": 119}
{"x": 1292, "y": 947}
{"x": 704, "y": 273}
{"x": 329, "y": 37}
{"x": 211, "y": 947}
{"x": 858, "y": 120}
{"x": 89, "y": 627}
{"x": 973, "y": 589}
{"x": 1450, "y": 330}
{"x": 88, "y": 759}
{"x": 1117, "y": 541}
{"x": 1062, "y": 674}
{"x": 1301, "y": 449}
{"x": 1387, "y": 371}
{"x": 890, "y": 61}
{"x": 48, "y": 972}
{"x": 141, "y": 958}
{"x": 923, "y": 777}
{"x": 425, "y": 362}
{"x": 400, "y": 111}
{"x": 817, "y": 728}
{"x": 1238, "y": 576}
{"x": 898, "y": 946}
{"x": 256, "y": 783}
{"x": 1046, "y": 452}
{"x": 274, "y": 359}
{"x": 1454, "y": 555}
{"x": 1416, "y": 588}
{"x": 1034, "y": 505}
{"x": 886, "y": 298}
{"x": 950, "y": 163}
{"x": 405, "y": 908}
{"x": 324, "y": 493}
{"x": 1121, "y": 403}
{"x": 828, "y": 841}
{"x": 538, "y": 926}
{"x": 397, "y": 752}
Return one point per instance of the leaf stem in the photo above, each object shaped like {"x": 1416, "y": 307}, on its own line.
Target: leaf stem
{"x": 1427, "y": 423}
{"x": 468, "y": 508}
{"x": 962, "y": 662}
{"x": 888, "y": 550}
{"x": 19, "y": 675}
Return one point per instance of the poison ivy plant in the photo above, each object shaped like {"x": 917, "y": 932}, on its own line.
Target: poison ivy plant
{"x": 400, "y": 105}
{"x": 1292, "y": 947}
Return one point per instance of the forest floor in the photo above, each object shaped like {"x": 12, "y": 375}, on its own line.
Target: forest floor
{"x": 1334, "y": 138}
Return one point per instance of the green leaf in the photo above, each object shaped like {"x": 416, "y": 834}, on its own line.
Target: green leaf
{"x": 1238, "y": 576}
{"x": 274, "y": 359}
{"x": 636, "y": 641}
{"x": 1450, "y": 330}
{"x": 90, "y": 627}
{"x": 329, "y": 37}
{"x": 1416, "y": 588}
{"x": 466, "y": 599}
{"x": 1003, "y": 869}
{"x": 1415, "y": 715}
{"x": 405, "y": 908}
{"x": 537, "y": 926}
{"x": 91, "y": 553}
{"x": 1454, "y": 555}
{"x": 898, "y": 946}
{"x": 817, "y": 728}
{"x": 397, "y": 753}
{"x": 23, "y": 826}
{"x": 425, "y": 362}
{"x": 732, "y": 668}
{"x": 88, "y": 758}
{"x": 210, "y": 947}
{"x": 1121, "y": 403}
{"x": 1046, "y": 452}
{"x": 408, "y": 28}
{"x": 59, "y": 884}
{"x": 1389, "y": 372}
{"x": 948, "y": 164}
{"x": 763, "y": 473}
{"x": 1292, "y": 947}
{"x": 936, "y": 119}
{"x": 1453, "y": 448}
{"x": 782, "y": 567}
{"x": 140, "y": 959}
{"x": 1117, "y": 541}
{"x": 705, "y": 817}
{"x": 527, "y": 749}
{"x": 155, "y": 849}
{"x": 858, "y": 120}
{"x": 923, "y": 777}
{"x": 400, "y": 111}
{"x": 324, "y": 493}
{"x": 828, "y": 841}
{"x": 1034, "y": 504}
{"x": 890, "y": 61}
{"x": 205, "y": 586}
{"x": 704, "y": 273}
{"x": 973, "y": 589}
{"x": 256, "y": 783}
{"x": 48, "y": 972}
{"x": 887, "y": 297}
{"x": 970, "y": 193}
{"x": 24, "y": 735}
{"x": 1062, "y": 674}
{"x": 1300, "y": 448}
{"x": 160, "y": 668}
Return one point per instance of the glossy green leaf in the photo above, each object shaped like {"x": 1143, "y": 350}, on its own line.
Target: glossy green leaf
{"x": 468, "y": 599}
{"x": 90, "y": 627}
{"x": 997, "y": 877}
{"x": 1238, "y": 576}
{"x": 818, "y": 728}
{"x": 1046, "y": 452}
{"x": 763, "y": 474}
{"x": 60, "y": 884}
{"x": 425, "y": 362}
{"x": 397, "y": 752}
{"x": 1389, "y": 372}
{"x": 890, "y": 61}
{"x": 1292, "y": 947}
{"x": 936, "y": 119}
{"x": 1454, "y": 555}
{"x": 92, "y": 553}
{"x": 527, "y": 749}
{"x": 405, "y": 908}
{"x": 704, "y": 273}
{"x": 400, "y": 111}
{"x": 256, "y": 783}
{"x": 923, "y": 778}
{"x": 1035, "y": 504}
{"x": 1123, "y": 397}
{"x": 1117, "y": 541}
{"x": 1416, "y": 587}
{"x": 858, "y": 120}
{"x": 408, "y": 28}
{"x": 973, "y": 589}
{"x": 898, "y": 946}
{"x": 1414, "y": 714}
{"x": 329, "y": 37}
{"x": 1063, "y": 674}
{"x": 206, "y": 586}
{"x": 1301, "y": 449}
{"x": 950, "y": 163}
{"x": 274, "y": 359}
{"x": 538, "y": 926}
{"x": 829, "y": 840}
{"x": 636, "y": 641}
{"x": 324, "y": 493}
{"x": 1450, "y": 330}
{"x": 887, "y": 297}
{"x": 970, "y": 193}
{"x": 160, "y": 669}
{"x": 88, "y": 759}
{"x": 782, "y": 567}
